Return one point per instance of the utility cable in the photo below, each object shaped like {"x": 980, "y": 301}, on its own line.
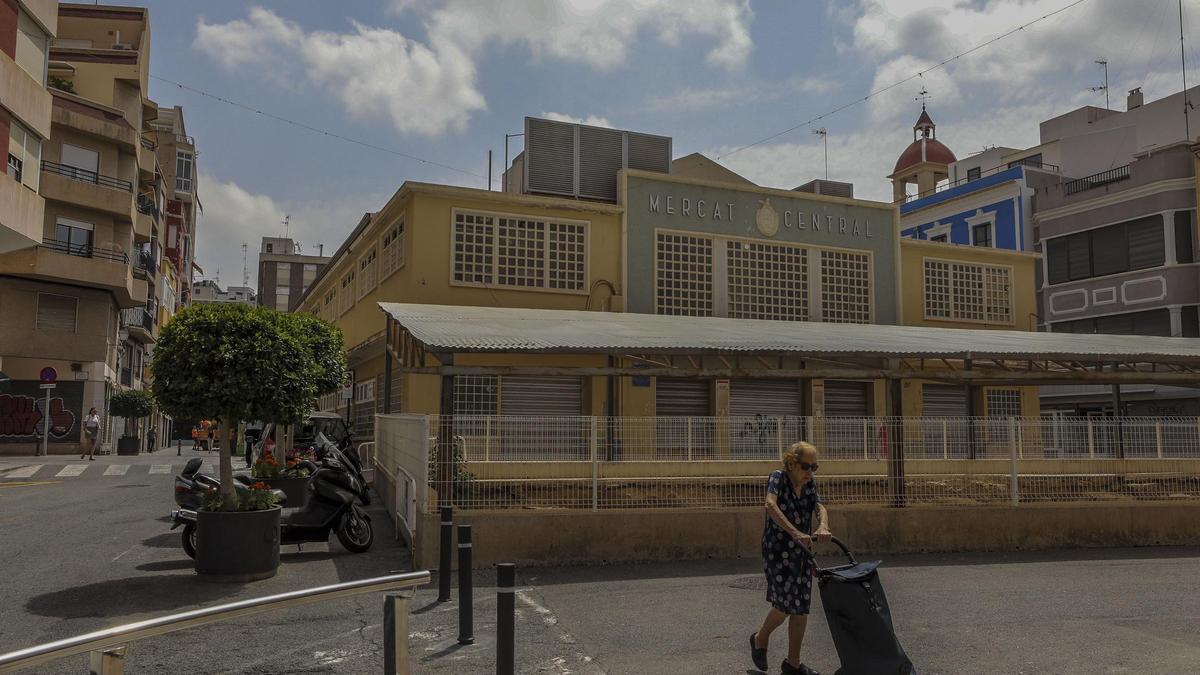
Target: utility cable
{"x": 308, "y": 127}
{"x": 910, "y": 78}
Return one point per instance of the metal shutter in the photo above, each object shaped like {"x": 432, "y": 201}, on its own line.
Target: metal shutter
{"x": 600, "y": 153}
{"x": 1057, "y": 263}
{"x": 943, "y": 400}
{"x": 56, "y": 312}
{"x": 769, "y": 398}
{"x": 1079, "y": 256}
{"x": 847, "y": 399}
{"x": 649, "y": 153}
{"x": 541, "y": 396}
{"x": 550, "y": 156}
{"x": 1154, "y": 322}
{"x": 1146, "y": 246}
{"x": 1110, "y": 255}
{"x": 682, "y": 397}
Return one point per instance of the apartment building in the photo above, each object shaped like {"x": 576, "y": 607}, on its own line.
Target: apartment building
{"x": 78, "y": 300}
{"x": 208, "y": 290}
{"x": 176, "y": 152}
{"x": 284, "y": 273}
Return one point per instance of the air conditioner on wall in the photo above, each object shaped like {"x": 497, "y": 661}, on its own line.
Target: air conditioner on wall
{"x": 122, "y": 46}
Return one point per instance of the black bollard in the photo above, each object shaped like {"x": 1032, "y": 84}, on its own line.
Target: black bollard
{"x": 466, "y": 609}
{"x": 506, "y": 579}
{"x": 444, "y": 561}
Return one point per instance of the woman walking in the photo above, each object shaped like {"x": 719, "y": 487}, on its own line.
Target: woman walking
{"x": 792, "y": 502}
{"x": 91, "y": 434}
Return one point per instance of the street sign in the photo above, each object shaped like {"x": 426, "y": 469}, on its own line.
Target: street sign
{"x": 347, "y": 392}
{"x": 48, "y": 375}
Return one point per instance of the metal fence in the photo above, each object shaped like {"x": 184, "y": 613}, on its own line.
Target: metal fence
{"x": 676, "y": 462}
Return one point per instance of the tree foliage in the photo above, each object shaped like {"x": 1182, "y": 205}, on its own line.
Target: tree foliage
{"x": 131, "y": 403}
{"x": 323, "y": 341}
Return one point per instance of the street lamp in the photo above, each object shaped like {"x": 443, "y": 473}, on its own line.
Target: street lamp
{"x": 825, "y": 137}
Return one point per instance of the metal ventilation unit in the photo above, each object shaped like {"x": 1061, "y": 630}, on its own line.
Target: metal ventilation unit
{"x": 575, "y": 160}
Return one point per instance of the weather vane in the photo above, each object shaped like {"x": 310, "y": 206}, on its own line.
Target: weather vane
{"x": 922, "y": 96}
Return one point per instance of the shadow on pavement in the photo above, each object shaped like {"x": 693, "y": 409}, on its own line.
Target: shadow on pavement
{"x": 165, "y": 540}
{"x": 167, "y": 565}
{"x": 132, "y": 595}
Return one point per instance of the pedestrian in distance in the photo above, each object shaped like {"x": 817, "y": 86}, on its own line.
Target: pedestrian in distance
{"x": 91, "y": 434}
{"x": 151, "y": 439}
{"x": 196, "y": 439}
{"x": 793, "y": 507}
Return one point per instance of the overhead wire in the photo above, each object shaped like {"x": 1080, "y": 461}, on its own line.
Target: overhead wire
{"x": 910, "y": 78}
{"x": 318, "y": 130}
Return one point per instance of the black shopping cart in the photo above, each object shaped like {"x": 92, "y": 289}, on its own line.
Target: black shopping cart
{"x": 859, "y": 619}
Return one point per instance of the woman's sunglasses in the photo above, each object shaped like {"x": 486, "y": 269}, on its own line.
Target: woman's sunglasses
{"x": 809, "y": 467}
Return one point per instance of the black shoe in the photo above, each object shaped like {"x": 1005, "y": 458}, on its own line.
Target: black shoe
{"x": 787, "y": 669}
{"x": 758, "y": 656}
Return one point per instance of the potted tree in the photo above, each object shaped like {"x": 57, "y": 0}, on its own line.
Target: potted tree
{"x": 133, "y": 405}
{"x": 233, "y": 362}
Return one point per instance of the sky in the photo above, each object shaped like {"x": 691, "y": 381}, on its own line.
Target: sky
{"x": 444, "y": 81}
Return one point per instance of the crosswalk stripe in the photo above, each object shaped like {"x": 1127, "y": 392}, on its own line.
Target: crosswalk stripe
{"x": 71, "y": 470}
{"x": 25, "y": 471}
{"x": 116, "y": 470}
{"x": 160, "y": 468}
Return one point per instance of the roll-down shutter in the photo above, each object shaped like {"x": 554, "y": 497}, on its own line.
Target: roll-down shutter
{"x": 541, "y": 396}
{"x": 847, "y": 399}
{"x": 769, "y": 398}
{"x": 680, "y": 397}
{"x": 943, "y": 400}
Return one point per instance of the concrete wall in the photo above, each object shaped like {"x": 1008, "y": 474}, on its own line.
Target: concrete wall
{"x": 558, "y": 538}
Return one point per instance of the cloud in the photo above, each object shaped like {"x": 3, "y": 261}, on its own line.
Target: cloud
{"x": 590, "y": 120}
{"x": 751, "y": 94}
{"x": 234, "y": 215}
{"x": 431, "y": 87}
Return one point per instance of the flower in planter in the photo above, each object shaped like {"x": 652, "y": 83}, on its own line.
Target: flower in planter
{"x": 265, "y": 466}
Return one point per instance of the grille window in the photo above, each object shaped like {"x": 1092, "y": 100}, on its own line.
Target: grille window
{"x": 845, "y": 287}
{"x": 392, "y": 251}
{"x": 1004, "y": 403}
{"x": 967, "y": 292}
{"x": 684, "y": 271}
{"x": 767, "y": 281}
{"x": 520, "y": 252}
{"x": 346, "y": 296}
{"x": 366, "y": 273}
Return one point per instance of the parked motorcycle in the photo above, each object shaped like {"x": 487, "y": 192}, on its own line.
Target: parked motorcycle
{"x": 191, "y": 486}
{"x": 332, "y": 492}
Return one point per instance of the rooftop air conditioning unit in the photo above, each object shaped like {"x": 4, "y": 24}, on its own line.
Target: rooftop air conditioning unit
{"x": 581, "y": 161}
{"x": 125, "y": 46}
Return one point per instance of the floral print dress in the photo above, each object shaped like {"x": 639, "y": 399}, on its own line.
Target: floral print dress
{"x": 789, "y": 571}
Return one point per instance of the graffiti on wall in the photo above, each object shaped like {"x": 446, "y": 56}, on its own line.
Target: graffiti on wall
{"x": 22, "y": 413}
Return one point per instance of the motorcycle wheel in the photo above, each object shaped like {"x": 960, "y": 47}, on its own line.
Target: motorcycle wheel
{"x": 356, "y": 533}
{"x": 189, "y": 540}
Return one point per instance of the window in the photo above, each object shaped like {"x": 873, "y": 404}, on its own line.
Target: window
{"x": 392, "y": 250}
{"x": 283, "y": 274}
{"x": 684, "y": 275}
{"x": 366, "y": 272}
{"x": 1003, "y": 403}
{"x": 56, "y": 312}
{"x": 32, "y": 47}
{"x": 364, "y": 391}
{"x": 845, "y": 287}
{"x": 24, "y": 155}
{"x": 309, "y": 274}
{"x": 269, "y": 247}
{"x": 84, "y": 164}
{"x": 519, "y": 252}
{"x": 939, "y": 238}
{"x": 1124, "y": 247}
{"x": 981, "y": 235}
{"x": 346, "y": 295}
{"x": 767, "y": 281}
{"x": 73, "y": 237}
{"x": 283, "y": 298}
{"x": 183, "y": 172}
{"x": 1154, "y": 322}
{"x": 966, "y": 292}
{"x": 973, "y": 173}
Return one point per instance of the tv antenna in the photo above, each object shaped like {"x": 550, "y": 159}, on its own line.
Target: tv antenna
{"x": 825, "y": 137}
{"x": 245, "y": 270}
{"x": 287, "y": 225}
{"x": 1104, "y": 87}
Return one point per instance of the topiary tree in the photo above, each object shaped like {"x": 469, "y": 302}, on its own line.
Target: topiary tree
{"x": 232, "y": 362}
{"x": 131, "y": 404}
{"x": 324, "y": 344}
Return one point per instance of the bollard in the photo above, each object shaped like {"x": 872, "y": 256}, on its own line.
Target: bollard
{"x": 506, "y": 579}
{"x": 444, "y": 562}
{"x": 179, "y": 447}
{"x": 395, "y": 633}
{"x": 466, "y": 610}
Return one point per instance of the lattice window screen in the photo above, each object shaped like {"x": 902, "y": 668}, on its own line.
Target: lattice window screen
{"x": 845, "y": 287}
{"x": 684, "y": 274}
{"x": 568, "y": 256}
{"x": 473, "y": 248}
{"x": 767, "y": 281}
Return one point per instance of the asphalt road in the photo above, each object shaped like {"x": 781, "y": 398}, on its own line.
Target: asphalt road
{"x": 79, "y": 553}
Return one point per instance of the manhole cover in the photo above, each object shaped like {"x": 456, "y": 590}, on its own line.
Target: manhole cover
{"x": 754, "y": 583}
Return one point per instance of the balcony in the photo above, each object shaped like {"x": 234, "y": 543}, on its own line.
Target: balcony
{"x": 21, "y": 214}
{"x": 1096, "y": 180}
{"x": 139, "y": 321}
{"x": 145, "y": 218}
{"x": 63, "y": 183}
{"x": 25, "y": 97}
{"x": 143, "y": 264}
{"x": 88, "y": 266}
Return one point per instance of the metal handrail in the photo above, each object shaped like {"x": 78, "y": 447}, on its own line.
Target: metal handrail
{"x": 85, "y": 250}
{"x": 86, "y": 176}
{"x": 120, "y": 635}
{"x": 1000, "y": 168}
{"x": 1096, "y": 180}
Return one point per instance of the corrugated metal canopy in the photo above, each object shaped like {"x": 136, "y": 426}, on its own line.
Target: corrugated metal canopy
{"x": 445, "y": 328}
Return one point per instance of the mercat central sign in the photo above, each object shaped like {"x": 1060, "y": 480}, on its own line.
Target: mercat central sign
{"x": 767, "y": 219}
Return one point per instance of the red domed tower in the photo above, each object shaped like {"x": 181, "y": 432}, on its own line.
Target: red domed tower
{"x": 926, "y": 161}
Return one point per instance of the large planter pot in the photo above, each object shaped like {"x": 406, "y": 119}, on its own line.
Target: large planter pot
{"x": 296, "y": 489}
{"x": 237, "y": 546}
{"x": 128, "y": 446}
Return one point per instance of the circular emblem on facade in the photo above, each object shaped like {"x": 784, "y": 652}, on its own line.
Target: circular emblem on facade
{"x": 767, "y": 219}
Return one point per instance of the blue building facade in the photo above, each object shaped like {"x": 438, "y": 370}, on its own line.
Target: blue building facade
{"x": 992, "y": 210}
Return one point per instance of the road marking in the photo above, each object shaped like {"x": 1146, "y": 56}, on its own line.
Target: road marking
{"x": 24, "y": 472}
{"x": 71, "y": 470}
{"x": 30, "y": 483}
{"x": 116, "y": 470}
{"x": 160, "y": 468}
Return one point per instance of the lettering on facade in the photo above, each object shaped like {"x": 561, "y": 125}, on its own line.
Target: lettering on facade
{"x": 767, "y": 218}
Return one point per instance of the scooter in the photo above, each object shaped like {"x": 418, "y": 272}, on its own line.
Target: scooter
{"x": 332, "y": 492}
{"x": 191, "y": 486}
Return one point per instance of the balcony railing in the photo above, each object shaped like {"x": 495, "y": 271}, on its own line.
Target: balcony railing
{"x": 146, "y": 205}
{"x": 86, "y": 176}
{"x": 1096, "y": 180}
{"x": 1034, "y": 164}
{"x": 183, "y": 184}
{"x": 149, "y": 144}
{"x": 85, "y": 251}
{"x": 138, "y": 317}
